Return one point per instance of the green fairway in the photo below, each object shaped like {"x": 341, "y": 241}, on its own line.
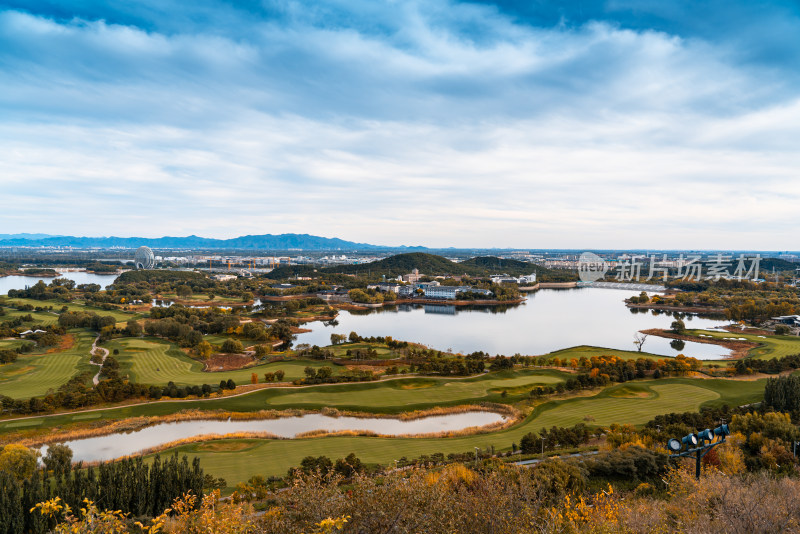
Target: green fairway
{"x": 770, "y": 347}
{"x": 629, "y": 403}
{"x": 34, "y": 374}
{"x": 118, "y": 315}
{"x": 414, "y": 392}
{"x": 603, "y": 411}
{"x": 155, "y": 361}
{"x": 372, "y": 395}
{"x": 234, "y": 459}
{"x": 587, "y": 352}
{"x": 12, "y": 344}
{"x": 39, "y": 318}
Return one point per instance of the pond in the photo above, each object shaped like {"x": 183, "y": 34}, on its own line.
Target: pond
{"x": 112, "y": 446}
{"x": 80, "y": 277}
{"x": 549, "y": 320}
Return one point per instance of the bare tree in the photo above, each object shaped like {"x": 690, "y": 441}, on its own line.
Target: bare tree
{"x": 638, "y": 340}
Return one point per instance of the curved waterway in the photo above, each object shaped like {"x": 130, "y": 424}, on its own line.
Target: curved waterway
{"x": 551, "y": 319}
{"x": 112, "y": 446}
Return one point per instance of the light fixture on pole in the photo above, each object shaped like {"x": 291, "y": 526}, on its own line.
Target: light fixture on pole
{"x": 698, "y": 444}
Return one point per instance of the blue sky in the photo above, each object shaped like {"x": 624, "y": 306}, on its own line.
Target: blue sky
{"x": 603, "y": 124}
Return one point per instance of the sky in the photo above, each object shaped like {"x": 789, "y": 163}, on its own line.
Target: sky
{"x": 532, "y": 124}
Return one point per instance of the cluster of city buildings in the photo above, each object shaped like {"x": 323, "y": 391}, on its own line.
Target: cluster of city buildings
{"x": 410, "y": 285}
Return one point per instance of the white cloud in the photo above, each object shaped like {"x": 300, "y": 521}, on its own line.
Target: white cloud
{"x": 438, "y": 125}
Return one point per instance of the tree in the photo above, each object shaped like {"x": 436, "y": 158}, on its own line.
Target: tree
{"x": 133, "y": 328}
{"x": 183, "y": 291}
{"x": 18, "y": 461}
{"x": 638, "y": 340}
{"x": 781, "y": 330}
{"x": 233, "y": 346}
{"x": 254, "y": 378}
{"x": 282, "y": 330}
{"x": 262, "y": 351}
{"x": 58, "y": 458}
{"x": 204, "y": 349}
{"x": 279, "y": 374}
{"x": 230, "y": 384}
{"x": 678, "y": 326}
{"x": 529, "y": 443}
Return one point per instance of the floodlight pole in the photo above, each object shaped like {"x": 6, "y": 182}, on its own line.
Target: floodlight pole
{"x": 698, "y": 453}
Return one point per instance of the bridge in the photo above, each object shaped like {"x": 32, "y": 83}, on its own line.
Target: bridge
{"x": 624, "y": 285}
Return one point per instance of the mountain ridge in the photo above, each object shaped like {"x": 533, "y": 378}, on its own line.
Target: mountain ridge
{"x": 289, "y": 241}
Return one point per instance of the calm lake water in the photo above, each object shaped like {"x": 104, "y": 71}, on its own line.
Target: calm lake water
{"x": 80, "y": 277}
{"x": 549, "y": 320}
{"x": 116, "y": 445}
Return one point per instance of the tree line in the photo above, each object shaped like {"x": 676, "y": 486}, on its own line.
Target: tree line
{"x": 130, "y": 485}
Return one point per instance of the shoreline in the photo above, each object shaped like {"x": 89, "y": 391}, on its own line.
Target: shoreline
{"x": 739, "y": 349}
{"x": 132, "y": 424}
{"x": 699, "y": 310}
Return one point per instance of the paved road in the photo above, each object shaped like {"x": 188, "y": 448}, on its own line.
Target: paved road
{"x": 526, "y": 463}
{"x": 104, "y": 352}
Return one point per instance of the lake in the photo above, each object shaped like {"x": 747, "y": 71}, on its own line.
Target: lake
{"x": 112, "y": 446}
{"x": 551, "y": 319}
{"x": 80, "y": 277}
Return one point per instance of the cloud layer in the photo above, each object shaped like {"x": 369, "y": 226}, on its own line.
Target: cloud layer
{"x": 432, "y": 122}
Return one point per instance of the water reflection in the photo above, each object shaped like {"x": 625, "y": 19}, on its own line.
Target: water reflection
{"x": 115, "y": 445}
{"x": 79, "y": 277}
{"x": 549, "y": 320}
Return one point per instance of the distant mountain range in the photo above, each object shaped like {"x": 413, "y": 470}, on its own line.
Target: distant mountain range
{"x": 248, "y": 242}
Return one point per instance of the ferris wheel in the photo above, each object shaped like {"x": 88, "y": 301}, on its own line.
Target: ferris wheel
{"x": 144, "y": 259}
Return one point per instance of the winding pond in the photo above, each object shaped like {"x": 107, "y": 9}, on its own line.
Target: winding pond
{"x": 112, "y": 446}
{"x": 80, "y": 277}
{"x": 551, "y": 319}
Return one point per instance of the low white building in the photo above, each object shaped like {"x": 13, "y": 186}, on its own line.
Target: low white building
{"x": 506, "y": 279}
{"x": 451, "y": 292}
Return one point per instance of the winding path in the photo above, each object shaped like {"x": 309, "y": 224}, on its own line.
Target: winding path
{"x": 104, "y": 352}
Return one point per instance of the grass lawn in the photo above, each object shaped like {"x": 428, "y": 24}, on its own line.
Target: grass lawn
{"x": 633, "y": 403}
{"x": 119, "y": 315}
{"x": 157, "y": 362}
{"x": 588, "y": 352}
{"x": 415, "y": 393}
{"x": 39, "y": 318}
{"x": 12, "y": 344}
{"x": 770, "y": 347}
{"x": 237, "y": 460}
{"x": 384, "y": 352}
{"x": 34, "y": 374}
{"x": 371, "y": 394}
{"x": 203, "y": 297}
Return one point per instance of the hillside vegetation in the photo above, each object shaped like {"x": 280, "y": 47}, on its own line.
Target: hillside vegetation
{"x": 158, "y": 275}
{"x": 428, "y": 264}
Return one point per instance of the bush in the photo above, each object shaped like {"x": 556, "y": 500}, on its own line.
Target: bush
{"x": 233, "y": 346}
